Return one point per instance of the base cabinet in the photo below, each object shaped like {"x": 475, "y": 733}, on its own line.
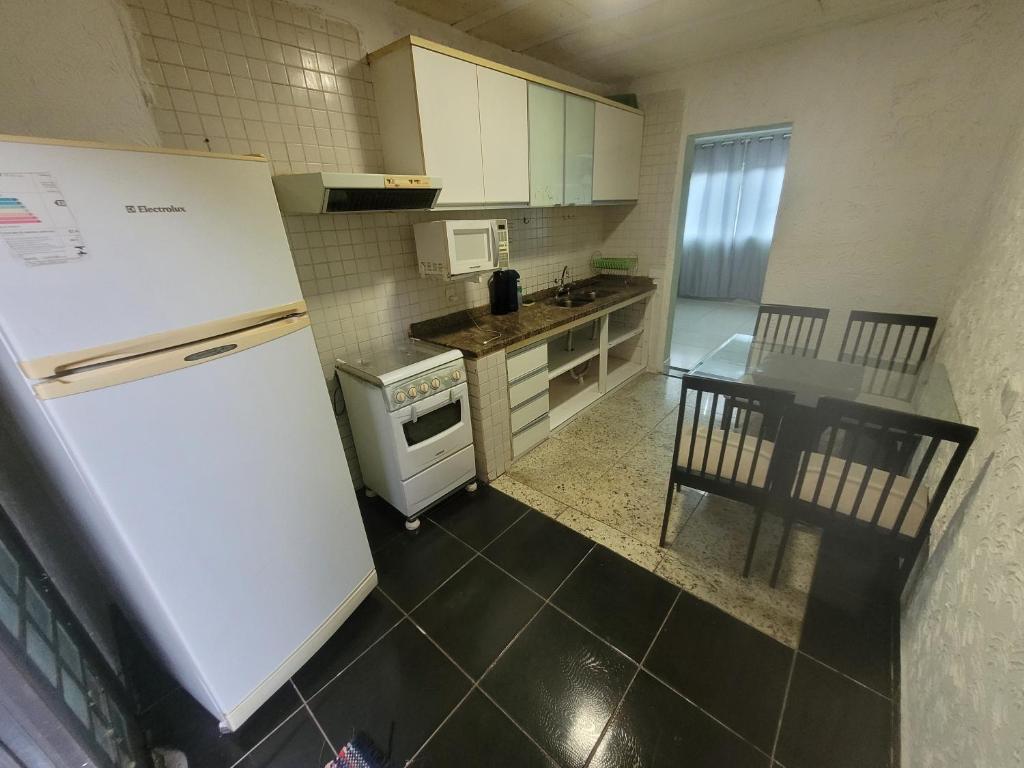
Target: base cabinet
{"x": 552, "y": 380}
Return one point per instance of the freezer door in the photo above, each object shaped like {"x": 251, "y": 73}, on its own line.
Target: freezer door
{"x": 226, "y": 482}
{"x": 104, "y": 245}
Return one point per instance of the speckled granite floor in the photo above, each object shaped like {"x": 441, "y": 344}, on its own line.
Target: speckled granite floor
{"x": 605, "y": 474}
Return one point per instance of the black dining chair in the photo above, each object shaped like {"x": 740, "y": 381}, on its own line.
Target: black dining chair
{"x": 798, "y": 330}
{"x": 887, "y": 340}
{"x": 892, "y": 498}
{"x": 735, "y": 462}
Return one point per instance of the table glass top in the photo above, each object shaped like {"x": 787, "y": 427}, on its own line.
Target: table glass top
{"x": 742, "y": 359}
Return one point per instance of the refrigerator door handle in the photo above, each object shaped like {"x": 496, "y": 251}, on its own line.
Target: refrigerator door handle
{"x": 167, "y": 360}
{"x": 68, "y": 362}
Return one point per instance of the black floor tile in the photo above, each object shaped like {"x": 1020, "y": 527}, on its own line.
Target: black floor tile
{"x": 478, "y": 517}
{"x": 297, "y": 742}
{"x": 832, "y": 721}
{"x": 478, "y": 734}
{"x": 561, "y": 684}
{"x": 476, "y": 614}
{"x": 724, "y": 666}
{"x": 616, "y": 599}
{"x": 397, "y": 693}
{"x": 850, "y": 635}
{"x": 374, "y": 616}
{"x": 382, "y": 522}
{"x": 539, "y": 551}
{"x": 180, "y": 722}
{"x": 411, "y": 566}
{"x": 854, "y": 565}
{"x": 656, "y": 728}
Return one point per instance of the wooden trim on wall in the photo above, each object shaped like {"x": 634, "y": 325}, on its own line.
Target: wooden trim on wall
{"x": 420, "y": 42}
{"x": 126, "y": 147}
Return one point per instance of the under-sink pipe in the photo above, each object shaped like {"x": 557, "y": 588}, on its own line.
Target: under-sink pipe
{"x": 579, "y": 378}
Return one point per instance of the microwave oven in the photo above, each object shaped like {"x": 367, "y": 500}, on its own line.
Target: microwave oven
{"x": 456, "y": 248}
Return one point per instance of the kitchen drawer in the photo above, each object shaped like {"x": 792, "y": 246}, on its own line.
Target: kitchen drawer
{"x": 533, "y": 434}
{"x": 529, "y": 411}
{"x": 524, "y": 389}
{"x": 526, "y": 360}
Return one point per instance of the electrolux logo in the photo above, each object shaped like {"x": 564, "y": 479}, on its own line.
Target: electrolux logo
{"x": 154, "y": 209}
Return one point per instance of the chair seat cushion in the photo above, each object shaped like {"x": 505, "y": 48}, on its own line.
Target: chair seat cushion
{"x": 872, "y": 493}
{"x": 713, "y": 445}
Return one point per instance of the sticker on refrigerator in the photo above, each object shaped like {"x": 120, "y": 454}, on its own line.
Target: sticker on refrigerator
{"x": 36, "y": 224}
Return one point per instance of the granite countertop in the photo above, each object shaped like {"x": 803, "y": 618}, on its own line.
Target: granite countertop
{"x": 474, "y": 330}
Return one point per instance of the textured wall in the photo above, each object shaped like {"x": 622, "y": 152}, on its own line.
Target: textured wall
{"x": 898, "y": 126}
{"x": 70, "y": 72}
{"x": 963, "y": 628}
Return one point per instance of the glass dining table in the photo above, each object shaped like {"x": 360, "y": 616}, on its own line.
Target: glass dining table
{"x": 923, "y": 390}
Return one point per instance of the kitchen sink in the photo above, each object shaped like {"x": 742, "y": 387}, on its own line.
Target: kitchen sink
{"x": 569, "y": 301}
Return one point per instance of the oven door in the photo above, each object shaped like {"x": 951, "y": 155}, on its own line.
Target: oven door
{"x": 428, "y": 430}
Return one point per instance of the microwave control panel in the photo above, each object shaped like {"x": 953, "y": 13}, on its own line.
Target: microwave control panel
{"x": 501, "y": 228}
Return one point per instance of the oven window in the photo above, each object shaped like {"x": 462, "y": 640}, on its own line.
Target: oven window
{"x": 433, "y": 423}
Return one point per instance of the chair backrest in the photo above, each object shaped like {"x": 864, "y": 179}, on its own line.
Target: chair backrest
{"x": 725, "y": 433}
{"x": 795, "y": 329}
{"x": 887, "y": 340}
{"x": 876, "y": 466}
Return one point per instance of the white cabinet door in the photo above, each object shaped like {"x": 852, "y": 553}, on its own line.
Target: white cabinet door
{"x": 617, "y": 138}
{"x": 547, "y": 145}
{"x": 504, "y": 136}
{"x": 450, "y": 125}
{"x": 579, "y": 150}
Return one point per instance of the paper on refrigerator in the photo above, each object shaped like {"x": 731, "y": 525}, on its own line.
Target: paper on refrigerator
{"x": 37, "y": 225}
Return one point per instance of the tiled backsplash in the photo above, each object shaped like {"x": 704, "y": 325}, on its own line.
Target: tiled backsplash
{"x": 288, "y": 82}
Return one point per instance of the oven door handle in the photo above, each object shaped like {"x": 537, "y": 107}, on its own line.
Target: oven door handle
{"x": 417, "y": 411}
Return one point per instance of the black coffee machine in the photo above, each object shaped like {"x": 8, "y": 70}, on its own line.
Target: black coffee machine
{"x": 504, "y": 291}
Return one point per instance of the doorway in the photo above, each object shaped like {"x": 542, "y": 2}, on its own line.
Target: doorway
{"x": 732, "y": 188}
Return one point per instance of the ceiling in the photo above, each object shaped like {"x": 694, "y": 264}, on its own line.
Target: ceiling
{"x": 618, "y": 40}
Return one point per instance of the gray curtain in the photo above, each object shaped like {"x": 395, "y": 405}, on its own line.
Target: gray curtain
{"x": 731, "y": 206}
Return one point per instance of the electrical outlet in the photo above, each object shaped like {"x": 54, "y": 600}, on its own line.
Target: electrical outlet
{"x": 451, "y": 294}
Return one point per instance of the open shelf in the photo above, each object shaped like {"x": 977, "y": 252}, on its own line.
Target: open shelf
{"x": 620, "y": 332}
{"x": 567, "y": 397}
{"x": 619, "y": 370}
{"x": 561, "y": 360}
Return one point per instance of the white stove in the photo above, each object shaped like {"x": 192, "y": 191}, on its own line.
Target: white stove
{"x": 409, "y": 410}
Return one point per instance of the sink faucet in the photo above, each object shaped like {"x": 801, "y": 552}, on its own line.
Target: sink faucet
{"x": 562, "y": 288}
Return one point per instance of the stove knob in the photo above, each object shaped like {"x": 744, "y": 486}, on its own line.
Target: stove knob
{"x": 399, "y": 396}
{"x": 435, "y": 383}
{"x": 413, "y": 392}
{"x": 424, "y": 387}
{"x": 456, "y": 375}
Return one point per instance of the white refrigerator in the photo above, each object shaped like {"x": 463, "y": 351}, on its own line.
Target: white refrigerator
{"x": 157, "y": 354}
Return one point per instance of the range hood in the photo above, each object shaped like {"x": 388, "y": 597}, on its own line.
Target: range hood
{"x": 341, "y": 192}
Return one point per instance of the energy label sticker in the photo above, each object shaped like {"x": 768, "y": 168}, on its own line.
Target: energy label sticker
{"x": 36, "y": 224}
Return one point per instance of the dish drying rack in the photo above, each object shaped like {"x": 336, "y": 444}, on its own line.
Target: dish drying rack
{"x": 615, "y": 266}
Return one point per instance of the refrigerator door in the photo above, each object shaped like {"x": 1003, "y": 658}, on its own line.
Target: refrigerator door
{"x": 101, "y": 245}
{"x": 225, "y": 484}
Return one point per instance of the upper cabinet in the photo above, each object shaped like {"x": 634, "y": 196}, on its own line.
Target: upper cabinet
{"x": 617, "y": 138}
{"x": 449, "y": 117}
{"x": 547, "y": 145}
{"x": 497, "y": 136}
{"x": 579, "y": 150}
{"x": 504, "y": 136}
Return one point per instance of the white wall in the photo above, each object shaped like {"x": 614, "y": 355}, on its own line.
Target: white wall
{"x": 70, "y": 71}
{"x": 899, "y": 125}
{"x": 963, "y": 628}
